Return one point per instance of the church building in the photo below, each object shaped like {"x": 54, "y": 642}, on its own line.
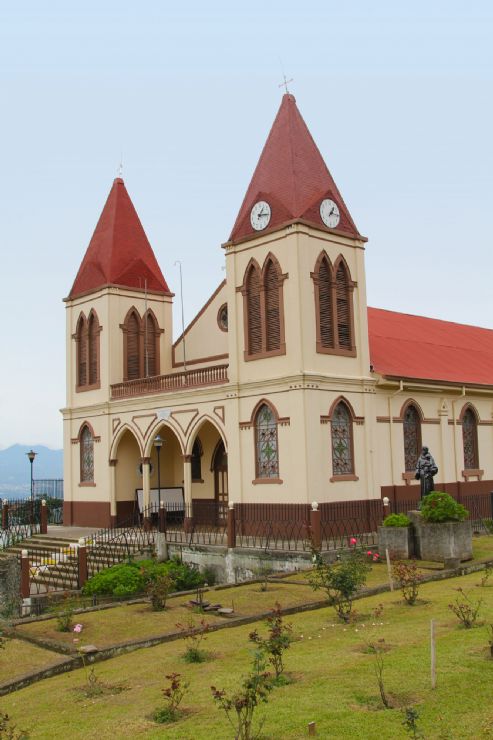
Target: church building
{"x": 286, "y": 388}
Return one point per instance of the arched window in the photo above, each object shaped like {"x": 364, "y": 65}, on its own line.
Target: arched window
{"x": 93, "y": 348}
{"x": 267, "y": 452}
{"x": 133, "y": 347}
{"x": 263, "y": 308}
{"x": 151, "y": 338}
{"x": 196, "y": 460}
{"x": 470, "y": 440}
{"x": 254, "y": 319}
{"x": 86, "y": 455}
{"x": 412, "y": 437}
{"x": 334, "y": 307}
{"x": 343, "y": 308}
{"x": 81, "y": 340}
{"x": 342, "y": 440}
{"x": 325, "y": 312}
{"x": 272, "y": 316}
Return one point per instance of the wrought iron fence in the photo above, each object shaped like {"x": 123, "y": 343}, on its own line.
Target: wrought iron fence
{"x": 52, "y": 569}
{"x": 339, "y": 534}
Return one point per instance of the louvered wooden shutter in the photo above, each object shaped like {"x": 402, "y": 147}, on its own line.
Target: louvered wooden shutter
{"x": 82, "y": 356}
{"x": 150, "y": 349}
{"x": 343, "y": 315}
{"x": 93, "y": 350}
{"x": 273, "y": 327}
{"x": 133, "y": 360}
{"x": 325, "y": 305}
{"x": 253, "y": 313}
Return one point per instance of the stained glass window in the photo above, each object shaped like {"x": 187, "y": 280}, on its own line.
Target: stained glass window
{"x": 266, "y": 438}
{"x": 86, "y": 456}
{"x": 342, "y": 442}
{"x": 412, "y": 438}
{"x": 470, "y": 440}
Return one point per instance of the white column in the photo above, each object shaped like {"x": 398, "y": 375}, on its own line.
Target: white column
{"x": 146, "y": 482}
{"x": 187, "y": 484}
{"x": 113, "y": 509}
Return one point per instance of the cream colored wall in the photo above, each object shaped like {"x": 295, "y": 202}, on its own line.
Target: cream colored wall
{"x": 204, "y": 340}
{"x": 73, "y": 490}
{"x": 112, "y": 306}
{"x": 442, "y": 437}
{"x": 297, "y": 249}
{"x": 209, "y": 438}
{"x": 128, "y": 477}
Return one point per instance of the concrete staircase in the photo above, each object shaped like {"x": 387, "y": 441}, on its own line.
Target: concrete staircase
{"x": 53, "y": 561}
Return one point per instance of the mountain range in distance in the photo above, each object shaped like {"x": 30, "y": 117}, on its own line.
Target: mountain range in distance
{"x": 15, "y": 468}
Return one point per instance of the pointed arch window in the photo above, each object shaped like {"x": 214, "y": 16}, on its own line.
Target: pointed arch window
{"x": 87, "y": 353}
{"x": 151, "y": 339}
{"x": 81, "y": 340}
{"x": 272, "y": 314}
{"x": 254, "y": 319}
{"x": 342, "y": 441}
{"x": 264, "y": 310}
{"x": 412, "y": 437}
{"x": 133, "y": 347}
{"x": 334, "y": 307}
{"x": 86, "y": 455}
{"x": 197, "y": 452}
{"x": 267, "y": 449}
{"x": 93, "y": 348}
{"x": 470, "y": 440}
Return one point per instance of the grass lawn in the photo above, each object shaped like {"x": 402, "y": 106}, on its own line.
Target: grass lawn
{"x": 137, "y": 621}
{"x": 332, "y": 671}
{"x": 20, "y": 657}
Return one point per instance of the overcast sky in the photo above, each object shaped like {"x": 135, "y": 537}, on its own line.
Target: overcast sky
{"x": 398, "y": 97}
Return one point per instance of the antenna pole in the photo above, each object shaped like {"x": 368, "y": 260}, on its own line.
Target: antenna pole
{"x": 146, "y": 346}
{"x": 178, "y": 262}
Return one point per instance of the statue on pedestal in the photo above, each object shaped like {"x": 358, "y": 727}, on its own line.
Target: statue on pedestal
{"x": 425, "y": 470}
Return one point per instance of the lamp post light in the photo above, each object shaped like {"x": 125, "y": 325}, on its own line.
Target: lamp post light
{"x": 31, "y": 455}
{"x": 158, "y": 443}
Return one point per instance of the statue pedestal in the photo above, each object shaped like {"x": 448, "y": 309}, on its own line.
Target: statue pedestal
{"x": 441, "y": 541}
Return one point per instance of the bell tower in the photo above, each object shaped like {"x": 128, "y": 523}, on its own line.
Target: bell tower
{"x": 295, "y": 265}
{"x": 118, "y": 328}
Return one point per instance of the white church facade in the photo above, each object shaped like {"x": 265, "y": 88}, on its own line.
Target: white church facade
{"x": 286, "y": 387}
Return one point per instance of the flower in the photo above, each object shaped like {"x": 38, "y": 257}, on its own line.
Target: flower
{"x": 352, "y": 541}
{"x": 78, "y": 628}
{"x": 376, "y": 557}
{"x": 369, "y": 552}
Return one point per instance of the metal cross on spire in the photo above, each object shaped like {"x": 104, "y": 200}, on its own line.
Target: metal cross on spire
{"x": 286, "y": 83}
{"x": 120, "y": 166}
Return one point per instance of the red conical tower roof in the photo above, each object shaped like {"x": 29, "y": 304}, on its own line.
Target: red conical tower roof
{"x": 292, "y": 177}
{"x": 119, "y": 252}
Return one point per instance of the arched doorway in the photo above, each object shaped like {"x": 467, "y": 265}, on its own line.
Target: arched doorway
{"x": 220, "y": 468}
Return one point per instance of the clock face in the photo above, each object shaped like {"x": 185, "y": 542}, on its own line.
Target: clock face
{"x": 260, "y": 215}
{"x": 329, "y": 213}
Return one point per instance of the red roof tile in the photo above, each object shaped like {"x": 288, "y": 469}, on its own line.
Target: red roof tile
{"x": 291, "y": 176}
{"x": 406, "y": 346}
{"x": 119, "y": 252}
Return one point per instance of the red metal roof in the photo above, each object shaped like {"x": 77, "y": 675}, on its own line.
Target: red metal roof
{"x": 406, "y": 346}
{"x": 119, "y": 252}
{"x": 291, "y": 176}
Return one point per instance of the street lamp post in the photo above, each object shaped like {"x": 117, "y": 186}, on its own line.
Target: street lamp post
{"x": 158, "y": 443}
{"x": 31, "y": 455}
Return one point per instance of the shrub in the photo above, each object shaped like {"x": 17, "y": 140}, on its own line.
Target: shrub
{"x": 397, "y": 520}
{"x": 194, "y": 634}
{"x": 128, "y": 579}
{"x": 277, "y": 641}
{"x": 173, "y": 696}
{"x": 466, "y": 609}
{"x": 158, "y": 589}
{"x": 488, "y": 571}
{"x": 440, "y": 507}
{"x": 240, "y": 706}
{"x": 409, "y": 580}
{"x": 341, "y": 580}
{"x": 63, "y": 611}
{"x": 9, "y": 731}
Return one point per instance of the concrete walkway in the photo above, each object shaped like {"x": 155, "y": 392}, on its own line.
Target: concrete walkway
{"x": 57, "y": 531}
